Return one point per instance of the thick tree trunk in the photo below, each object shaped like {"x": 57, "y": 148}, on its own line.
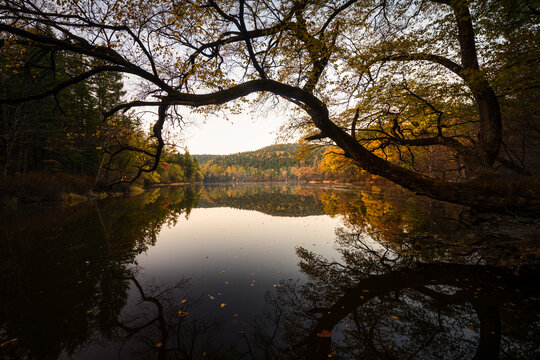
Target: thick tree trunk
{"x": 509, "y": 194}
{"x": 487, "y": 148}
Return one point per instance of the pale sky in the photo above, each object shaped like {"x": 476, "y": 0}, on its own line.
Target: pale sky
{"x": 215, "y": 134}
{"x": 238, "y": 133}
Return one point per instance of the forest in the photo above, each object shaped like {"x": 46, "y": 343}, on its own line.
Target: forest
{"x": 439, "y": 97}
{"x": 60, "y": 145}
{"x": 284, "y": 162}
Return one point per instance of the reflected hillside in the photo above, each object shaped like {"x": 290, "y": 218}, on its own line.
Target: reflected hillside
{"x": 275, "y": 200}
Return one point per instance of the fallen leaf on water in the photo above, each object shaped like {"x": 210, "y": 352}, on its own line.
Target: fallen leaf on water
{"x": 7, "y": 342}
{"x": 223, "y": 305}
{"x": 324, "y": 333}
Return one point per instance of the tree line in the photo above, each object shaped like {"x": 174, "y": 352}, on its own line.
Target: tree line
{"x": 283, "y": 162}
{"x": 61, "y": 144}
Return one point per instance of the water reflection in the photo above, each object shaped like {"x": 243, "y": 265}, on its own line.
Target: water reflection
{"x": 380, "y": 303}
{"x": 410, "y": 281}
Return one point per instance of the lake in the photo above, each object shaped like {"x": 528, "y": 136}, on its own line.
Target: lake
{"x": 267, "y": 271}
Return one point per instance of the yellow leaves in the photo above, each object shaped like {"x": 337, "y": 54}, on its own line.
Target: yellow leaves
{"x": 223, "y": 305}
{"x": 183, "y": 301}
{"x": 394, "y": 317}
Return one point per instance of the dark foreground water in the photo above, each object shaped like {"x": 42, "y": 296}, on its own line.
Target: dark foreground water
{"x": 266, "y": 272}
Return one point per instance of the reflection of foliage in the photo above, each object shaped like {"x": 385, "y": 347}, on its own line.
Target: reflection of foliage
{"x": 409, "y": 282}
{"x": 56, "y": 268}
{"x": 385, "y": 302}
{"x": 270, "y": 199}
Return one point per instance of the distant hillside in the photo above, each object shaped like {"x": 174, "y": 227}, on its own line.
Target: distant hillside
{"x": 204, "y": 158}
{"x": 269, "y": 157}
{"x": 282, "y": 162}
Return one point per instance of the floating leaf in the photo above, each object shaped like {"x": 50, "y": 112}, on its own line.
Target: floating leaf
{"x": 324, "y": 333}
{"x": 7, "y": 342}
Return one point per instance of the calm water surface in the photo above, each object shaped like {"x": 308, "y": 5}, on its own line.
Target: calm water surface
{"x": 266, "y": 272}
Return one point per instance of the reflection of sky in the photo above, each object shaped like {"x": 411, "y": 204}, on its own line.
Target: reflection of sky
{"x": 248, "y": 253}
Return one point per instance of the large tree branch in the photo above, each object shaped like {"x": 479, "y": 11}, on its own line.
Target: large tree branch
{"x": 84, "y": 48}
{"x": 437, "y": 59}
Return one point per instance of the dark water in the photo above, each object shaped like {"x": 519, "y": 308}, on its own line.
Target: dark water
{"x": 266, "y": 272}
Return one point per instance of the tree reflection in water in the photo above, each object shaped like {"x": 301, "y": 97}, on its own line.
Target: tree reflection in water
{"x": 409, "y": 283}
{"x": 385, "y": 301}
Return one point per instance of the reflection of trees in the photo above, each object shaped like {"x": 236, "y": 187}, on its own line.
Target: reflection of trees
{"x": 276, "y": 200}
{"x": 163, "y": 325}
{"x": 383, "y": 303}
{"x": 409, "y": 282}
{"x": 56, "y": 265}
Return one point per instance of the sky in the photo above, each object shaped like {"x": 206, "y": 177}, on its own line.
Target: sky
{"x": 217, "y": 135}
{"x": 221, "y": 135}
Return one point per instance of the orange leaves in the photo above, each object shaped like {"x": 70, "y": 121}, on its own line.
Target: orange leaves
{"x": 324, "y": 334}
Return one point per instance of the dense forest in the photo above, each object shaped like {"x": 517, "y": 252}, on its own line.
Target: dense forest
{"x": 284, "y": 162}
{"x": 61, "y": 144}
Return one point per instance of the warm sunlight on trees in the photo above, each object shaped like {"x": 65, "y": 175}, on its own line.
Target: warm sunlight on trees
{"x": 438, "y": 96}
